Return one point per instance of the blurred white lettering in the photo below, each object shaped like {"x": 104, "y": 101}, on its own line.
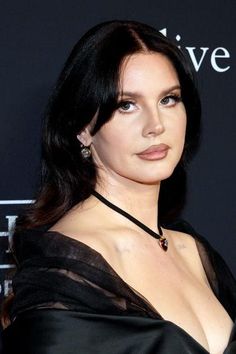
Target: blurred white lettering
{"x": 7, "y": 287}
{"x": 213, "y": 58}
{"x": 193, "y": 57}
{"x": 215, "y": 55}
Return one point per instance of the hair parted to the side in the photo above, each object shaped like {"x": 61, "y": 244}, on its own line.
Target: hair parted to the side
{"x": 89, "y": 85}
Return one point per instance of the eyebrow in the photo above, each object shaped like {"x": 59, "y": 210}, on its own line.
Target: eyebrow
{"x": 138, "y": 94}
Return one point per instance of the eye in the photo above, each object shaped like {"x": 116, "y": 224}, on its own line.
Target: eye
{"x": 170, "y": 100}
{"x": 126, "y": 106}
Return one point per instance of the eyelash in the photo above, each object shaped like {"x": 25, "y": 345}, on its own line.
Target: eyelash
{"x": 177, "y": 98}
{"x": 122, "y": 103}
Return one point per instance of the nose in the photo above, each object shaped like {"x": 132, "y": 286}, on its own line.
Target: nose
{"x": 153, "y": 125}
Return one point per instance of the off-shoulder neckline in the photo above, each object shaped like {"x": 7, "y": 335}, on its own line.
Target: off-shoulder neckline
{"x": 108, "y": 267}
{"x": 134, "y": 291}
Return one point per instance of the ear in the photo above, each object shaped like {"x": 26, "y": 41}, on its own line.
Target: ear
{"x": 85, "y": 137}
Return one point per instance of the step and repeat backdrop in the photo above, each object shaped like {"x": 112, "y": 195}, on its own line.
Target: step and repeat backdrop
{"x": 36, "y": 37}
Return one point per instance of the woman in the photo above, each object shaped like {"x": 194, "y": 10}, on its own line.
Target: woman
{"x": 103, "y": 264}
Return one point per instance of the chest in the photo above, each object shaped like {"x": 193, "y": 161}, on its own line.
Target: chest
{"x": 176, "y": 287}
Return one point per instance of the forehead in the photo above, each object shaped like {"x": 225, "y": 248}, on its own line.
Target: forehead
{"x": 147, "y": 70}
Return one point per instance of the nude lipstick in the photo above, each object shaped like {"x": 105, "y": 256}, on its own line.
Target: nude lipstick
{"x": 154, "y": 152}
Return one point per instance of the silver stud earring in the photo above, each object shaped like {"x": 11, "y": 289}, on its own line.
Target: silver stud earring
{"x": 85, "y": 151}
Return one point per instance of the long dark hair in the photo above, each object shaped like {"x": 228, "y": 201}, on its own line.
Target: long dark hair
{"x": 88, "y": 84}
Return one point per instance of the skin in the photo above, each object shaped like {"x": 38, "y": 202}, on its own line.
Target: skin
{"x": 152, "y": 118}
{"x": 151, "y": 112}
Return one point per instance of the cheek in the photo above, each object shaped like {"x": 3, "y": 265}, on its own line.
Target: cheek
{"x": 181, "y": 125}
{"x": 110, "y": 145}
{"x": 184, "y": 126}
{"x": 115, "y": 136}
{"x": 176, "y": 135}
{"x": 176, "y": 127}
{"x": 180, "y": 137}
{"x": 182, "y": 129}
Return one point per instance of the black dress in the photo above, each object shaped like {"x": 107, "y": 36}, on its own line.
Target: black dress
{"x": 69, "y": 300}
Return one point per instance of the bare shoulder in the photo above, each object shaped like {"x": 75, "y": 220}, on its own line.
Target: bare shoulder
{"x": 181, "y": 240}
{"x": 81, "y": 224}
{"x": 186, "y": 250}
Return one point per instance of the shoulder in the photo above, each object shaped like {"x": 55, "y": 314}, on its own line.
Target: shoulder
{"x": 186, "y": 233}
{"x": 213, "y": 263}
{"x": 187, "y": 236}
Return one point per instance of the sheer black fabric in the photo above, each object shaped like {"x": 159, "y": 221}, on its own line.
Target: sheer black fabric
{"x": 68, "y": 299}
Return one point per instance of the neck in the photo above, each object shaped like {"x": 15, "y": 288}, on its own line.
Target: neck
{"x": 139, "y": 200}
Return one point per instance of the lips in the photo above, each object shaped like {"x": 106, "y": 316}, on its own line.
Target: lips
{"x": 154, "y": 152}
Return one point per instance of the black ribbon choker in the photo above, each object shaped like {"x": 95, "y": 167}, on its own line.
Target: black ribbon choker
{"x": 162, "y": 241}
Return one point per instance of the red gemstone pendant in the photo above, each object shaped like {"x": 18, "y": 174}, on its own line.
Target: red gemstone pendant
{"x": 163, "y": 243}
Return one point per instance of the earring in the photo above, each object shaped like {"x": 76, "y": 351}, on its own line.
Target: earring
{"x": 85, "y": 151}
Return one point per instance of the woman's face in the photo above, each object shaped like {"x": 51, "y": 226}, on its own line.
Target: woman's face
{"x": 144, "y": 139}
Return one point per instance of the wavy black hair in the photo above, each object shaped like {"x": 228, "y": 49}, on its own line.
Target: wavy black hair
{"x": 88, "y": 84}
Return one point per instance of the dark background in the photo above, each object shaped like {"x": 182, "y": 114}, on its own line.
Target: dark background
{"x": 35, "y": 39}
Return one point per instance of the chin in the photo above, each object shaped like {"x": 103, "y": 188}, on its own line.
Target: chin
{"x": 158, "y": 175}
{"x": 153, "y": 178}
{"x": 149, "y": 175}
